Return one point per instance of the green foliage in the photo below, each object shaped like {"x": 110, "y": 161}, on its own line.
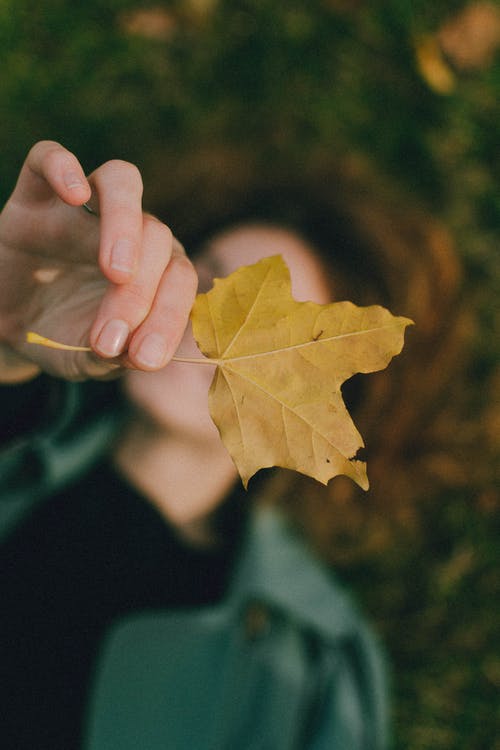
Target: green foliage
{"x": 283, "y": 77}
{"x": 440, "y": 621}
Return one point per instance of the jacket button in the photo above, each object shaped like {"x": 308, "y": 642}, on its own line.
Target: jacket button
{"x": 257, "y": 621}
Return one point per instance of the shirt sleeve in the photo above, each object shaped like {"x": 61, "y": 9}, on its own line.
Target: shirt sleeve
{"x": 50, "y": 432}
{"x": 26, "y": 408}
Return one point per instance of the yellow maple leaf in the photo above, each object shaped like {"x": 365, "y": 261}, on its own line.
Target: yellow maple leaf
{"x": 275, "y": 396}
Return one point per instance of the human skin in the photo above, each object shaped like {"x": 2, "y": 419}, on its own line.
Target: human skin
{"x": 117, "y": 279}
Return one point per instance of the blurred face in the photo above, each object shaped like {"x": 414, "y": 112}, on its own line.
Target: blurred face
{"x": 176, "y": 398}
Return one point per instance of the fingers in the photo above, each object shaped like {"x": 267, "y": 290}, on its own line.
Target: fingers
{"x": 159, "y": 336}
{"x": 144, "y": 312}
{"x": 118, "y": 190}
{"x": 117, "y": 186}
{"x": 147, "y": 317}
{"x": 50, "y": 168}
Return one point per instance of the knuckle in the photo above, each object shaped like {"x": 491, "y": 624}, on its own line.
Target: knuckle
{"x": 158, "y": 243}
{"x": 178, "y": 247}
{"x": 165, "y": 232}
{"x": 187, "y": 273}
{"x": 153, "y": 224}
{"x": 175, "y": 300}
{"x": 135, "y": 301}
{"x": 171, "y": 317}
{"x": 43, "y": 146}
{"x": 149, "y": 217}
{"x": 124, "y": 170}
{"x": 50, "y": 154}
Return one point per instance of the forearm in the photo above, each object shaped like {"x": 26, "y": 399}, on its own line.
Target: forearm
{"x": 14, "y": 368}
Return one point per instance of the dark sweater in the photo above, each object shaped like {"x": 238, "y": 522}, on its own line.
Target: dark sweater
{"x": 93, "y": 553}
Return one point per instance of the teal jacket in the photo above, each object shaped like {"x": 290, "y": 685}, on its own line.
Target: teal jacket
{"x": 283, "y": 662}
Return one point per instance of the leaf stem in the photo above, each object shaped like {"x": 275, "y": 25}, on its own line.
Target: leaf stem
{"x": 196, "y": 360}
{"x": 35, "y": 338}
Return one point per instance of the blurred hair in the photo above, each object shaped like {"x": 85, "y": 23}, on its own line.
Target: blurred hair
{"x": 381, "y": 248}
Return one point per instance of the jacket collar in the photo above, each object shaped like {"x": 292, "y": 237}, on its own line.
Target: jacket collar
{"x": 277, "y": 569}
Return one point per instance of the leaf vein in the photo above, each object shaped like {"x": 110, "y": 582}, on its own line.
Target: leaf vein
{"x": 236, "y": 409}
{"x": 306, "y": 343}
{"x": 215, "y": 329}
{"x": 282, "y": 403}
{"x": 248, "y": 315}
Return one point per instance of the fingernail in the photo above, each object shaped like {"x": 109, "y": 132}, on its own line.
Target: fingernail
{"x": 73, "y": 180}
{"x": 112, "y": 339}
{"x": 152, "y": 351}
{"x": 122, "y": 255}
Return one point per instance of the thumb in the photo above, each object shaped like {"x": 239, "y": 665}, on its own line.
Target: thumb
{"x": 50, "y": 168}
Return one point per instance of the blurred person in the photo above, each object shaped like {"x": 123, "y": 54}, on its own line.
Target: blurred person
{"x": 147, "y": 600}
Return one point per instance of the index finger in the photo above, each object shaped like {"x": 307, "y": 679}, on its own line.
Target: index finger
{"x": 118, "y": 187}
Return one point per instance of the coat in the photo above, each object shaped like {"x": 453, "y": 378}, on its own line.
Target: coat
{"x": 283, "y": 662}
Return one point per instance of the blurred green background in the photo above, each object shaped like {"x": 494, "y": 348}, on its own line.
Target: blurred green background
{"x": 413, "y": 87}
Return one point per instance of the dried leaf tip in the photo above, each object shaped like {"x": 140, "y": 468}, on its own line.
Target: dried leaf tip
{"x": 35, "y": 338}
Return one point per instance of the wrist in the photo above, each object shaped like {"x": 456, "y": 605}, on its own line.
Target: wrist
{"x": 14, "y": 367}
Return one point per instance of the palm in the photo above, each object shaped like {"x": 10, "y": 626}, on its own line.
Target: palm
{"x": 54, "y": 284}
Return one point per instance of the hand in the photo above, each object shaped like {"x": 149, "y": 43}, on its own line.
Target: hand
{"x": 117, "y": 280}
